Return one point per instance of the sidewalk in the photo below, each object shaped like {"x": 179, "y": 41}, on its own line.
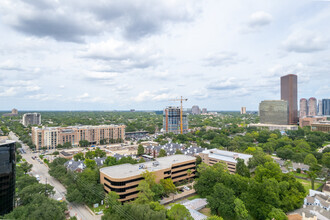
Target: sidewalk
{"x": 176, "y": 197}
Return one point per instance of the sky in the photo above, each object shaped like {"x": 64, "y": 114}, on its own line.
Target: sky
{"x": 140, "y": 54}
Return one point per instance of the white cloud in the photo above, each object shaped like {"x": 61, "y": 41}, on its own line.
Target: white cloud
{"x": 7, "y": 92}
{"x": 305, "y": 42}
{"x": 260, "y": 18}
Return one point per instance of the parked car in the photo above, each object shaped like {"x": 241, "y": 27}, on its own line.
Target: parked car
{"x": 37, "y": 177}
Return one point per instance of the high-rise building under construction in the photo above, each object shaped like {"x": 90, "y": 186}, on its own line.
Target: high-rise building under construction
{"x": 172, "y": 121}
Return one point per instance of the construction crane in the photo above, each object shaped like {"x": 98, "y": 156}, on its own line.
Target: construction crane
{"x": 181, "y": 111}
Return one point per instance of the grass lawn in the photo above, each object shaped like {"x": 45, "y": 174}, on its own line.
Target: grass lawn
{"x": 194, "y": 197}
{"x": 300, "y": 174}
{"x": 206, "y": 211}
{"x": 98, "y": 209}
{"x": 307, "y": 184}
{"x": 326, "y": 143}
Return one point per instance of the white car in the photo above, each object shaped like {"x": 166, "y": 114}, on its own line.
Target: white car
{"x": 37, "y": 177}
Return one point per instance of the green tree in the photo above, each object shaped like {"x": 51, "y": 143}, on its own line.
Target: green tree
{"x": 90, "y": 163}
{"x": 310, "y": 160}
{"x": 26, "y": 195}
{"x": 140, "y": 150}
{"x": 83, "y": 143}
{"x": 326, "y": 159}
{"x": 277, "y": 214}
{"x": 79, "y": 157}
{"x": 179, "y": 212}
{"x": 312, "y": 176}
{"x": 178, "y": 151}
{"x": 221, "y": 201}
{"x": 67, "y": 145}
{"x": 241, "y": 168}
{"x": 214, "y": 217}
{"x": 168, "y": 185}
{"x": 110, "y": 161}
{"x": 162, "y": 153}
{"x": 240, "y": 210}
{"x": 26, "y": 167}
{"x": 25, "y": 181}
{"x": 111, "y": 201}
{"x": 145, "y": 195}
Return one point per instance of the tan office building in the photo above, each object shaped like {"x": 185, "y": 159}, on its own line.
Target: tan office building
{"x": 50, "y": 137}
{"x": 323, "y": 126}
{"x": 125, "y": 178}
{"x": 214, "y": 156}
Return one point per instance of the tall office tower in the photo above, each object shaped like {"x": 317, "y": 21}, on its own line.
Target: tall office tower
{"x": 312, "y": 106}
{"x": 172, "y": 122}
{"x": 7, "y": 176}
{"x": 195, "y": 110}
{"x": 326, "y": 106}
{"x": 319, "y": 107}
{"x": 289, "y": 90}
{"x": 204, "y": 110}
{"x": 243, "y": 110}
{"x": 31, "y": 119}
{"x": 303, "y": 108}
{"x": 274, "y": 112}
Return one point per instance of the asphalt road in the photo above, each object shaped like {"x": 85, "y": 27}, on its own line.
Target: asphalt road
{"x": 80, "y": 211}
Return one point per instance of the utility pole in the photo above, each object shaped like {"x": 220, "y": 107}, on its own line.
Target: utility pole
{"x": 46, "y": 187}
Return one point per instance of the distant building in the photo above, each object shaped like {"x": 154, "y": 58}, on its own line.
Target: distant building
{"x": 132, "y": 110}
{"x": 303, "y": 108}
{"x": 172, "y": 121}
{"x": 274, "y": 112}
{"x": 308, "y": 121}
{"x": 204, "y": 110}
{"x": 323, "y": 126}
{"x": 125, "y": 178}
{"x": 326, "y": 106}
{"x": 195, "y": 110}
{"x": 31, "y": 119}
{"x": 319, "y": 107}
{"x": 312, "y": 106}
{"x": 50, "y": 137}
{"x": 14, "y": 112}
{"x": 7, "y": 176}
{"x": 213, "y": 156}
{"x": 289, "y": 90}
{"x": 243, "y": 110}
{"x": 273, "y": 127}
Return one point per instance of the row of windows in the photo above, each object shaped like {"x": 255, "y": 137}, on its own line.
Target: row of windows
{"x": 120, "y": 189}
{"x": 183, "y": 165}
{"x": 122, "y": 183}
{"x": 179, "y": 176}
{"x": 183, "y": 170}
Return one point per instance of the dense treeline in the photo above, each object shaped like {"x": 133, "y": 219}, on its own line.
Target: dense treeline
{"x": 269, "y": 192}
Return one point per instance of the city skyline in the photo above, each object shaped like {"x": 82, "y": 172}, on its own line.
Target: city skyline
{"x": 222, "y": 55}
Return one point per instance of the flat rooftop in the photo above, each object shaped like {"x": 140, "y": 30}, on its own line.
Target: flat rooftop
{"x": 272, "y": 125}
{"x": 224, "y": 155}
{"x": 77, "y": 127}
{"x": 3, "y": 142}
{"x": 128, "y": 170}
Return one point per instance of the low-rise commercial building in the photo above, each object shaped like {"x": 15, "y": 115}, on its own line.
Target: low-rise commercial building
{"x": 50, "y": 137}
{"x": 273, "y": 127}
{"x": 308, "y": 121}
{"x": 125, "y": 178}
{"x": 171, "y": 149}
{"x": 214, "y": 156}
{"x": 323, "y": 126}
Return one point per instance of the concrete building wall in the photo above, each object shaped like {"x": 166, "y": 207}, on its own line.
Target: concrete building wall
{"x": 243, "y": 110}
{"x": 51, "y": 137}
{"x": 126, "y": 187}
{"x": 303, "y": 108}
{"x": 312, "y": 106}
{"x": 274, "y": 112}
{"x": 31, "y": 119}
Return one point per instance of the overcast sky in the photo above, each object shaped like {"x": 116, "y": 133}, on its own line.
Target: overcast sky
{"x": 107, "y": 55}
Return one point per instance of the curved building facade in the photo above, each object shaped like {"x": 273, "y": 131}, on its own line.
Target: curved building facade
{"x": 312, "y": 106}
{"x": 303, "y": 108}
{"x": 125, "y": 178}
